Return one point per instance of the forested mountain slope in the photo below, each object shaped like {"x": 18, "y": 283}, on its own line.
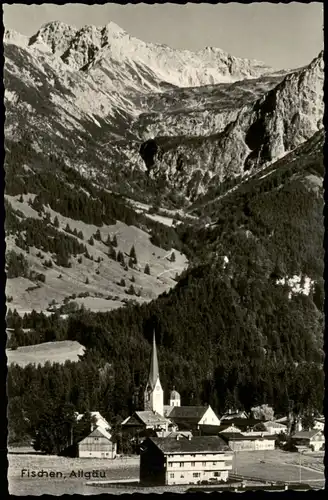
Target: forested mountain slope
{"x": 243, "y": 325}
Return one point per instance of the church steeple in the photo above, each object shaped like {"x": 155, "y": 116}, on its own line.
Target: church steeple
{"x": 153, "y": 372}
{"x": 154, "y": 397}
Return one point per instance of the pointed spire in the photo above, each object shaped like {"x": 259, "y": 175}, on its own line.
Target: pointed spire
{"x": 153, "y": 372}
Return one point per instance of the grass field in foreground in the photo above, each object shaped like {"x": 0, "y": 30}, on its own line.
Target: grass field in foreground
{"x": 278, "y": 465}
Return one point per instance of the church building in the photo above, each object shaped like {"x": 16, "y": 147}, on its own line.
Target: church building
{"x": 152, "y": 417}
{"x": 166, "y": 418}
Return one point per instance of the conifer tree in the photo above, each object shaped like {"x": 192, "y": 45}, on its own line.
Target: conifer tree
{"x": 133, "y": 254}
{"x": 97, "y": 235}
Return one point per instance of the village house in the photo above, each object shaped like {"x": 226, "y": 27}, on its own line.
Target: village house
{"x": 168, "y": 461}
{"x": 288, "y": 420}
{"x": 98, "y": 444}
{"x": 314, "y": 439}
{"x": 142, "y": 420}
{"x": 244, "y": 424}
{"x": 192, "y": 417}
{"x": 166, "y": 418}
{"x": 238, "y": 441}
{"x": 97, "y": 420}
{"x": 274, "y": 428}
{"x": 214, "y": 430}
{"x": 233, "y": 414}
{"x": 319, "y": 423}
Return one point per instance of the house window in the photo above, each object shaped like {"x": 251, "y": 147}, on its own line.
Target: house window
{"x": 181, "y": 464}
{"x": 216, "y": 474}
{"x": 204, "y": 464}
{"x": 214, "y": 463}
{"x": 170, "y": 464}
{"x": 182, "y": 475}
{"x": 196, "y": 474}
{"x": 172, "y": 475}
{"x": 96, "y": 439}
{"x": 192, "y": 464}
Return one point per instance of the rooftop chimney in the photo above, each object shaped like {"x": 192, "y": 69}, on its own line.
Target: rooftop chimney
{"x": 189, "y": 437}
{"x": 178, "y": 437}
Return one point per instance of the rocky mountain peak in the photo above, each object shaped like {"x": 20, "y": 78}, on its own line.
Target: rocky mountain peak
{"x": 56, "y": 35}
{"x": 80, "y": 48}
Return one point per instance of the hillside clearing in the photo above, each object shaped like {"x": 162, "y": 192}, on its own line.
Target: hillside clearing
{"x": 99, "y": 278}
{"x": 54, "y": 352}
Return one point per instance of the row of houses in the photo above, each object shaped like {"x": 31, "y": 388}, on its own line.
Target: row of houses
{"x": 188, "y": 444}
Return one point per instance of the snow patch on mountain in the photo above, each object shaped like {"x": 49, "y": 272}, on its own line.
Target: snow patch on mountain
{"x": 13, "y": 37}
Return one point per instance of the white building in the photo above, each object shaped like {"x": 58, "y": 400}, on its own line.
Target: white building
{"x": 168, "y": 461}
{"x": 274, "y": 428}
{"x": 314, "y": 440}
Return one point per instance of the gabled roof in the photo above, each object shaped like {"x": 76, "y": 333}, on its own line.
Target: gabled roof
{"x": 188, "y": 414}
{"x": 306, "y": 434}
{"x": 100, "y": 421}
{"x": 151, "y": 417}
{"x": 146, "y": 418}
{"x": 167, "y": 409}
{"x": 235, "y": 414}
{"x": 197, "y": 444}
{"x": 98, "y": 432}
{"x": 230, "y": 428}
{"x": 276, "y": 425}
{"x": 214, "y": 430}
{"x": 282, "y": 420}
{"x": 243, "y": 423}
{"x": 173, "y": 434}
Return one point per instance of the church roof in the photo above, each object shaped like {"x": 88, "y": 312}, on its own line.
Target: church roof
{"x": 151, "y": 417}
{"x": 153, "y": 371}
{"x": 175, "y": 395}
{"x": 196, "y": 444}
{"x": 188, "y": 415}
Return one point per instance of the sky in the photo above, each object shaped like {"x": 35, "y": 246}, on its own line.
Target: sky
{"x": 281, "y": 35}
